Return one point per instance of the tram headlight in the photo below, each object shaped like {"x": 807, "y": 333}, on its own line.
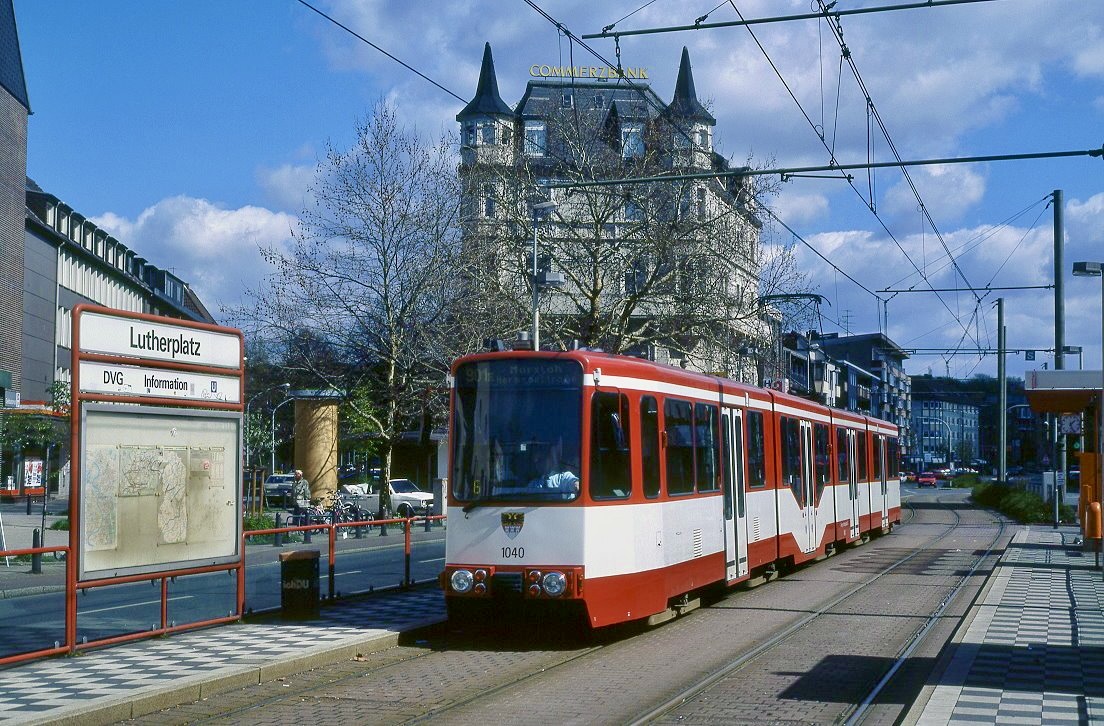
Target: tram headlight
{"x": 554, "y": 584}
{"x": 461, "y": 581}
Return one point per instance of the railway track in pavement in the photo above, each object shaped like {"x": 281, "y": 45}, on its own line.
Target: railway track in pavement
{"x": 816, "y": 646}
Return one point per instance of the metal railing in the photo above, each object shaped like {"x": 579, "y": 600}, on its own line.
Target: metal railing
{"x": 41, "y": 628}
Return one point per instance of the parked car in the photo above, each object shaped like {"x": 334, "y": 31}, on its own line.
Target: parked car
{"x": 407, "y": 499}
{"x": 277, "y": 489}
{"x": 927, "y": 479}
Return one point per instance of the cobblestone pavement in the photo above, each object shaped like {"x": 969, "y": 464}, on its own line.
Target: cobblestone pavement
{"x": 106, "y": 685}
{"x": 1033, "y": 650}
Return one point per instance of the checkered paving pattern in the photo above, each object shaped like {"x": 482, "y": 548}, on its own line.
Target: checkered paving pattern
{"x": 122, "y": 672}
{"x": 1033, "y": 653}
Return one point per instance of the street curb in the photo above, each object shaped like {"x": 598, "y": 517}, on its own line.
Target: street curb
{"x": 12, "y": 593}
{"x": 157, "y": 697}
{"x": 947, "y": 653}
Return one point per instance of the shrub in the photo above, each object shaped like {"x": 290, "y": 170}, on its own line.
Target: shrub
{"x": 62, "y": 524}
{"x": 1019, "y": 504}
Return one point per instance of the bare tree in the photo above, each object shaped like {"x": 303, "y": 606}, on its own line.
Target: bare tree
{"x": 363, "y": 300}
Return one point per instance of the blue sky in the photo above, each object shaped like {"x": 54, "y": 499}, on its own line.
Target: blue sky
{"x": 191, "y": 130}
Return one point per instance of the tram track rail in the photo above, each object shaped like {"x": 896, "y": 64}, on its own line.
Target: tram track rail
{"x": 855, "y": 714}
{"x": 473, "y": 679}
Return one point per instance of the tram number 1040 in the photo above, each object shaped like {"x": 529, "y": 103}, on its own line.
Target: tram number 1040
{"x": 513, "y": 553}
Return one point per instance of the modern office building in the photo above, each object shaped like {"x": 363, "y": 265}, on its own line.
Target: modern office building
{"x": 872, "y": 377}
{"x": 629, "y": 259}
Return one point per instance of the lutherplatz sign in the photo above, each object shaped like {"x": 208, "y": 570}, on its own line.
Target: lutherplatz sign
{"x": 136, "y": 338}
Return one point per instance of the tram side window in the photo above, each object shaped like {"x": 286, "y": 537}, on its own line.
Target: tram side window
{"x": 706, "y": 453}
{"x": 862, "y": 469}
{"x": 893, "y": 457}
{"x": 649, "y": 445}
{"x": 790, "y": 437}
{"x": 822, "y": 471}
{"x": 610, "y": 475}
{"x": 879, "y": 462}
{"x": 756, "y": 450}
{"x": 678, "y": 422}
{"x": 842, "y": 451}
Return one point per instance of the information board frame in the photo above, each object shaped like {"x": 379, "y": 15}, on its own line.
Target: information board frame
{"x": 171, "y": 445}
{"x": 187, "y": 351}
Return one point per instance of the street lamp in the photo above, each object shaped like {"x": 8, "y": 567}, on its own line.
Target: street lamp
{"x": 1094, "y": 269}
{"x": 276, "y": 408}
{"x": 255, "y": 396}
{"x": 540, "y": 210}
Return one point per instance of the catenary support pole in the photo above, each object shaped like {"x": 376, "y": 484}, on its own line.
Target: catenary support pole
{"x": 1059, "y": 349}
{"x": 1002, "y": 384}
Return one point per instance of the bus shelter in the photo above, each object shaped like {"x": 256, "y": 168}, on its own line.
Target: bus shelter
{"x": 1076, "y": 392}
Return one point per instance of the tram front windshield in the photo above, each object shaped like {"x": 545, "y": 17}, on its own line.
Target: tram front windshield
{"x": 516, "y": 431}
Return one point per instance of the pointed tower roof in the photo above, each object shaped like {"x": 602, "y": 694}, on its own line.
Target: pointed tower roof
{"x": 685, "y": 104}
{"x": 486, "y": 101}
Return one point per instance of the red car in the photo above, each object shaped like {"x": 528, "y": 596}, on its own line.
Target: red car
{"x": 927, "y": 479}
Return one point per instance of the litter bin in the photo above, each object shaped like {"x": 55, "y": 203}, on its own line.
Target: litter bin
{"x": 299, "y": 595}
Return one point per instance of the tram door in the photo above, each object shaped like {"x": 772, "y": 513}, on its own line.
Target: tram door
{"x": 808, "y": 490}
{"x": 735, "y": 507}
{"x": 845, "y": 443}
{"x": 880, "y": 479}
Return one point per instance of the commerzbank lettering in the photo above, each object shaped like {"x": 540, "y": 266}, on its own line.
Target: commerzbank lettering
{"x": 174, "y": 346}
{"x": 545, "y": 71}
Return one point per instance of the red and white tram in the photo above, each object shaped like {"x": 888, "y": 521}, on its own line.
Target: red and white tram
{"x": 619, "y": 488}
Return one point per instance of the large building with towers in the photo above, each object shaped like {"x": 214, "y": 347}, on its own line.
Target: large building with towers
{"x": 673, "y": 267}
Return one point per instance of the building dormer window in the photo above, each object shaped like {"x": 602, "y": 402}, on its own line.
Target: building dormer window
{"x": 632, "y": 141}
{"x": 566, "y": 100}
{"x": 469, "y": 133}
{"x": 536, "y": 138}
{"x": 703, "y": 139}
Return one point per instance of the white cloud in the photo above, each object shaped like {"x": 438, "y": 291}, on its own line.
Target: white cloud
{"x": 288, "y": 185}
{"x": 947, "y": 190}
{"x": 796, "y": 208}
{"x": 213, "y": 249}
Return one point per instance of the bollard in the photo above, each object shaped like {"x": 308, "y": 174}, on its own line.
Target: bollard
{"x": 29, "y": 499}
{"x": 306, "y": 534}
{"x": 36, "y": 558}
{"x": 277, "y": 539}
{"x": 1093, "y": 528}
{"x": 428, "y": 524}
{"x": 384, "y": 514}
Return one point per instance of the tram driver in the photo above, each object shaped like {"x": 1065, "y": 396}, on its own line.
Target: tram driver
{"x": 556, "y": 475}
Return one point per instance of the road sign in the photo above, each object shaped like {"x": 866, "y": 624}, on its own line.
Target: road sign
{"x": 1029, "y": 355}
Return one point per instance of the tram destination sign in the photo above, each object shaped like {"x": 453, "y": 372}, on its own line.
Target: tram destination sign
{"x": 156, "y": 382}
{"x": 137, "y": 338}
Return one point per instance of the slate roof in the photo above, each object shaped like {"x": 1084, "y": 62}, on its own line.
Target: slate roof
{"x": 11, "y": 60}
{"x": 487, "y": 100}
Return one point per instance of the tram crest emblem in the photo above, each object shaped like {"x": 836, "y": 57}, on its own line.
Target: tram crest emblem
{"x": 512, "y": 522}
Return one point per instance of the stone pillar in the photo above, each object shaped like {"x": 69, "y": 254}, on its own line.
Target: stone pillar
{"x": 316, "y": 443}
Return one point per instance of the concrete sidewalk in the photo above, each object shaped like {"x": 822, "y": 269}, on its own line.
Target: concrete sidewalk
{"x": 1030, "y": 649}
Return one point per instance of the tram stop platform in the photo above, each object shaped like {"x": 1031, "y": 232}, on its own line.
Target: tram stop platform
{"x": 125, "y": 681}
{"x": 1031, "y": 648}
